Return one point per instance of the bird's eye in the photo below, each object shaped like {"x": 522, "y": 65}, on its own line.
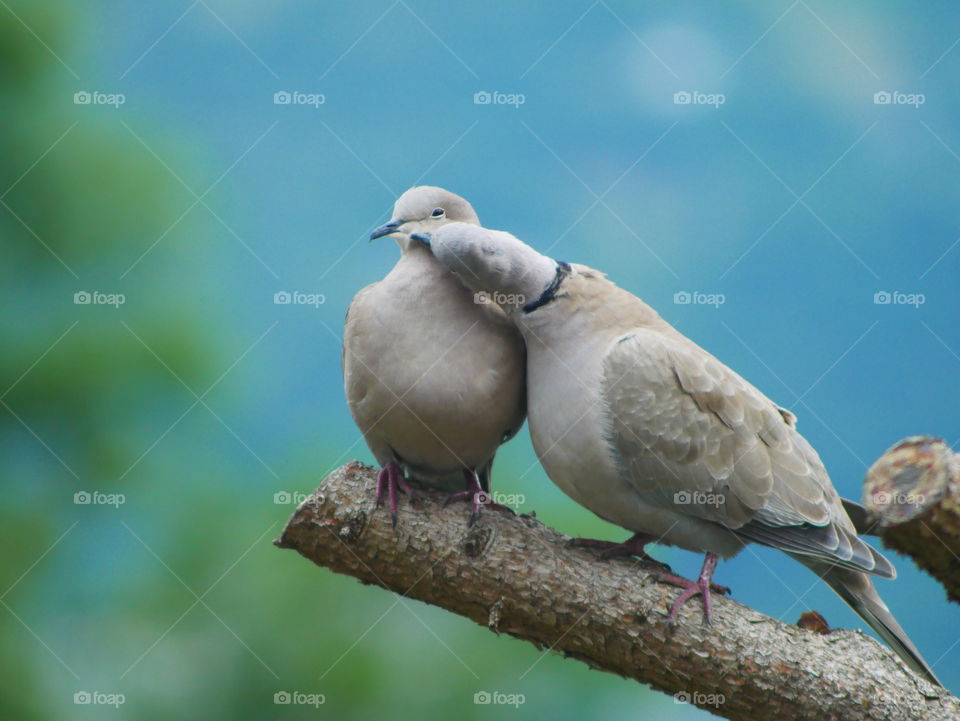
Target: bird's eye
{"x": 437, "y": 213}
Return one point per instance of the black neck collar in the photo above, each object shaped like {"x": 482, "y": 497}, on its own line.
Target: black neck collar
{"x": 563, "y": 270}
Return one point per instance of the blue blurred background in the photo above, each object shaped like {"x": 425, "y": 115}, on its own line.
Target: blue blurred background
{"x": 736, "y": 157}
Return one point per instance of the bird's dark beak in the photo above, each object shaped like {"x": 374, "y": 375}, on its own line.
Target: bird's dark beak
{"x": 424, "y": 238}
{"x": 386, "y": 229}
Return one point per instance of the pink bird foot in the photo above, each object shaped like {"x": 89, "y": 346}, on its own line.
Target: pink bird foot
{"x": 703, "y": 585}
{"x": 633, "y": 546}
{"x": 475, "y": 494}
{"x": 389, "y": 479}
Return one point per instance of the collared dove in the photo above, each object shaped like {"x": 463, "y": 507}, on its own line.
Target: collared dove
{"x": 434, "y": 377}
{"x": 640, "y": 425}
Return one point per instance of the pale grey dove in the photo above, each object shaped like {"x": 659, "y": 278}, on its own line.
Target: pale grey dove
{"x": 649, "y": 431}
{"x": 434, "y": 377}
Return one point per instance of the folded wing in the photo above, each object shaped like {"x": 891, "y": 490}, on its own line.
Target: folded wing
{"x": 694, "y": 436}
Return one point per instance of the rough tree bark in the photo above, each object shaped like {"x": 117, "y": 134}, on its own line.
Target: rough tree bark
{"x": 517, "y": 576}
{"x": 912, "y": 493}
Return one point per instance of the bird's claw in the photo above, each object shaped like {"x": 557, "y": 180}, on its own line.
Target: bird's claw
{"x": 633, "y": 546}
{"x": 477, "y": 497}
{"x": 702, "y": 586}
{"x": 389, "y": 479}
{"x": 478, "y": 501}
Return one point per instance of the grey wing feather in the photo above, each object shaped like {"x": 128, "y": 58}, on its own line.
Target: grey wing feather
{"x": 865, "y": 524}
{"x": 680, "y": 421}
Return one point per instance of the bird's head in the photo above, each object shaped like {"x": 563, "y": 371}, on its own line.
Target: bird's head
{"x": 492, "y": 262}
{"x": 425, "y": 209}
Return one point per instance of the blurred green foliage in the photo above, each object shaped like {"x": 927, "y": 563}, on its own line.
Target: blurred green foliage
{"x": 76, "y": 387}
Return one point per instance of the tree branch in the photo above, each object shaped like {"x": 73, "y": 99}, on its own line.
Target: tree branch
{"x": 516, "y": 576}
{"x": 912, "y": 493}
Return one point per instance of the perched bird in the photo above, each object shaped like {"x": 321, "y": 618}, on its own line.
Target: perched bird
{"x": 640, "y": 425}
{"x": 434, "y": 377}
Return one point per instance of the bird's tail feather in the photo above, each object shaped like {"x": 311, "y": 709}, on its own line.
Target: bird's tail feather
{"x": 857, "y": 590}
